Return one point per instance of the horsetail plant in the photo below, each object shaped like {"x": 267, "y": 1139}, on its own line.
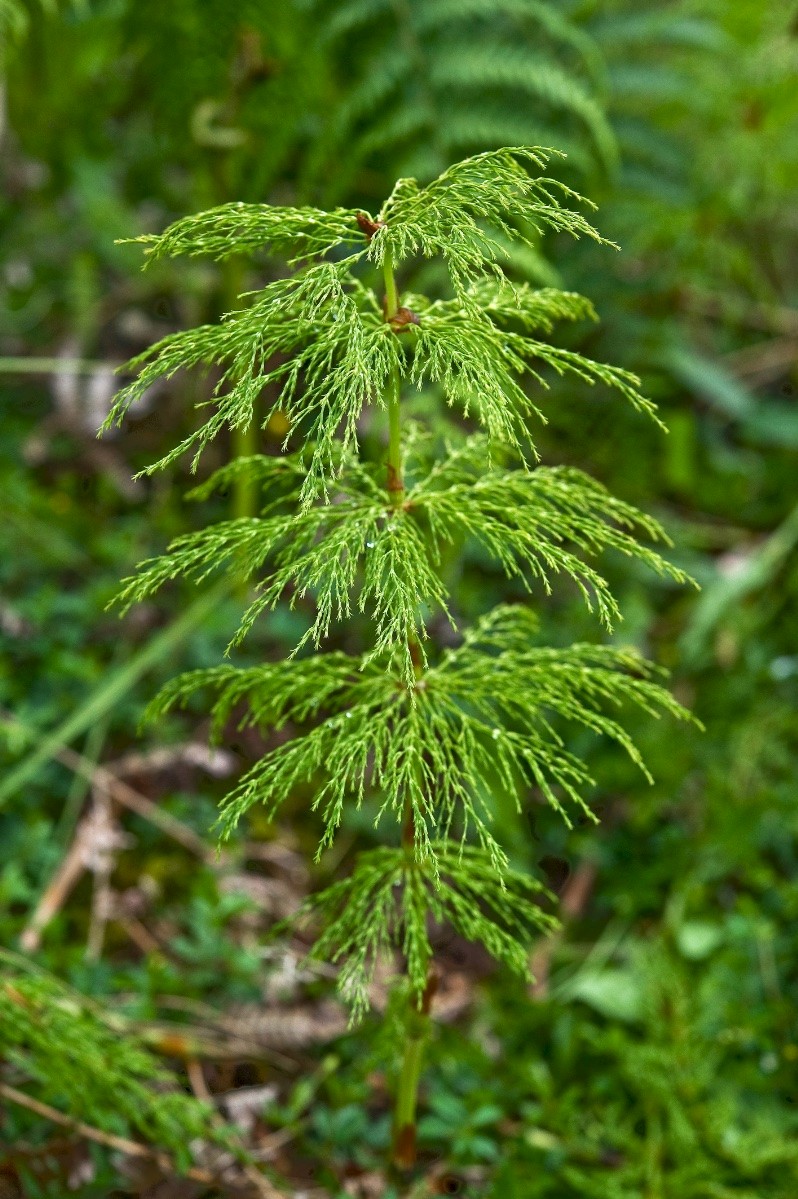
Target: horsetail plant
{"x": 422, "y": 732}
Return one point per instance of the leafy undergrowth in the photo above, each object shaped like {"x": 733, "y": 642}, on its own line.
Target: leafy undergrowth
{"x": 657, "y": 1055}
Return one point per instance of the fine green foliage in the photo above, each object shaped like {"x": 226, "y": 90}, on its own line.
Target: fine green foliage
{"x": 336, "y": 353}
{"x": 448, "y": 216}
{"x": 481, "y": 717}
{"x": 659, "y": 1055}
{"x": 82, "y": 1062}
{"x": 416, "y": 733}
{"x": 296, "y": 233}
{"x": 386, "y": 901}
{"x": 534, "y": 523}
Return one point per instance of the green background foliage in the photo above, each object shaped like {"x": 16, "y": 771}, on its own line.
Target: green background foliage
{"x": 659, "y": 1059}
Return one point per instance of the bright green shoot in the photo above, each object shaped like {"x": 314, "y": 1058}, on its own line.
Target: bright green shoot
{"x": 419, "y": 734}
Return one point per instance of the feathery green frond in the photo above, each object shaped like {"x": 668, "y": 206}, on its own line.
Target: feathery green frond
{"x": 324, "y": 551}
{"x": 315, "y": 336}
{"x": 80, "y": 1061}
{"x": 481, "y": 363}
{"x": 294, "y": 233}
{"x": 385, "y": 905}
{"x": 537, "y": 523}
{"x": 523, "y": 681}
{"x": 550, "y": 20}
{"x": 452, "y": 216}
{"x": 485, "y": 70}
{"x": 276, "y": 694}
{"x": 319, "y": 339}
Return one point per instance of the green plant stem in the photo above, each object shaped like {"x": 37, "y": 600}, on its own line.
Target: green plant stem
{"x": 391, "y": 291}
{"x": 396, "y": 488}
{"x": 404, "y": 1141}
{"x": 417, "y": 1018}
{"x": 417, "y": 1028}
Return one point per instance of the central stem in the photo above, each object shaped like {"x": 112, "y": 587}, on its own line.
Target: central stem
{"x": 417, "y": 1016}
{"x": 417, "y": 1024}
{"x": 396, "y": 487}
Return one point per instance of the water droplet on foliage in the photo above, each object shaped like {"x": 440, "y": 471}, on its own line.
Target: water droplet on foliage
{"x": 496, "y": 734}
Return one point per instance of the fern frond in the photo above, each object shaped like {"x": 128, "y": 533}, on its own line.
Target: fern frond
{"x": 438, "y": 14}
{"x": 385, "y": 904}
{"x": 429, "y": 69}
{"x": 435, "y": 15}
{"x": 490, "y": 124}
{"x": 486, "y": 70}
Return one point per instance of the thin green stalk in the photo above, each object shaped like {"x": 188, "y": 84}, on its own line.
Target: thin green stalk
{"x": 53, "y": 366}
{"x": 417, "y": 1029}
{"x": 417, "y": 1019}
{"x": 391, "y": 291}
{"x": 396, "y": 487}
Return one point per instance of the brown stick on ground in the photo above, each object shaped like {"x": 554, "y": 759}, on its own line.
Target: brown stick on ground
{"x": 94, "y": 846}
{"x": 75, "y": 862}
{"x": 124, "y": 794}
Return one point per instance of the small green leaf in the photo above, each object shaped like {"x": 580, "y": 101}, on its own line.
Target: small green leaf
{"x": 614, "y": 993}
{"x": 697, "y": 939}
